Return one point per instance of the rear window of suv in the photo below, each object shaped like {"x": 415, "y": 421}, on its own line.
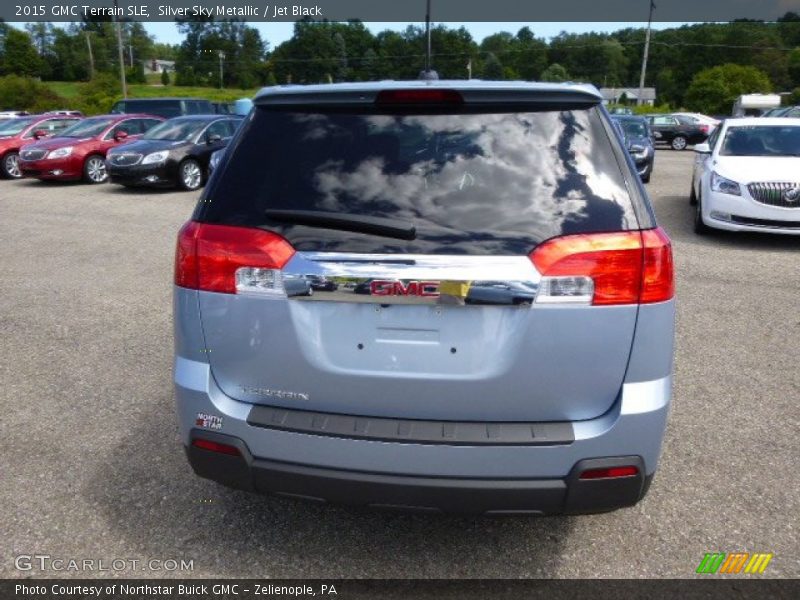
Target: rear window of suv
{"x": 471, "y": 183}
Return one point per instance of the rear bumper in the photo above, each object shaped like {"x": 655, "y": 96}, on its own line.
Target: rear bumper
{"x": 467, "y": 478}
{"x": 569, "y": 495}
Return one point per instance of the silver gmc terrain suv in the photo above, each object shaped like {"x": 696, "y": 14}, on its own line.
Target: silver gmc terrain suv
{"x": 446, "y": 295}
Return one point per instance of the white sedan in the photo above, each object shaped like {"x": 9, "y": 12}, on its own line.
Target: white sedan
{"x": 747, "y": 177}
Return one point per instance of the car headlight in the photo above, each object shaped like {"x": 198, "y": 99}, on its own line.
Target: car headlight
{"x": 724, "y": 186}
{"x": 155, "y": 157}
{"x": 60, "y": 152}
{"x": 639, "y": 150}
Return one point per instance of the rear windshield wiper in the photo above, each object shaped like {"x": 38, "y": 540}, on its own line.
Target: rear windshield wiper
{"x": 380, "y": 226}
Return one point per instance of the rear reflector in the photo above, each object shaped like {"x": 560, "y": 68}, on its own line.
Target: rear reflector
{"x": 216, "y": 447}
{"x": 627, "y": 267}
{"x": 610, "y": 473}
{"x": 208, "y": 256}
{"x": 422, "y": 96}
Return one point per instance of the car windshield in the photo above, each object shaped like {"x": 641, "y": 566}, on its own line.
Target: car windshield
{"x": 86, "y": 128}
{"x": 634, "y": 128}
{"x": 175, "y": 130}
{"x": 14, "y": 126}
{"x": 762, "y": 140}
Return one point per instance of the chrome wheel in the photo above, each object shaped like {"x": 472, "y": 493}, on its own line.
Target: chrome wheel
{"x": 11, "y": 166}
{"x": 679, "y": 143}
{"x": 191, "y": 175}
{"x": 96, "y": 170}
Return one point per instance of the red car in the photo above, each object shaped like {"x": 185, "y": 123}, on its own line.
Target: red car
{"x": 79, "y": 152}
{"x": 15, "y": 133}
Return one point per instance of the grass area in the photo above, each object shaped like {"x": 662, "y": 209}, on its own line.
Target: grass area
{"x": 71, "y": 90}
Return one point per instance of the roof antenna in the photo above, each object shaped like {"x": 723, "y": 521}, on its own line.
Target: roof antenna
{"x": 428, "y": 74}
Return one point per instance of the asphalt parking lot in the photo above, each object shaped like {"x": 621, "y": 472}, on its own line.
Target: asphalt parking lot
{"x": 92, "y": 465}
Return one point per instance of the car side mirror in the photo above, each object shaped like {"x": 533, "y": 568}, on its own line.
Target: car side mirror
{"x": 213, "y": 138}
{"x": 702, "y": 149}
{"x": 120, "y": 135}
{"x": 40, "y": 133}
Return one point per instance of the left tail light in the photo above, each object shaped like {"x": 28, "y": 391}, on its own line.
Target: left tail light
{"x": 227, "y": 259}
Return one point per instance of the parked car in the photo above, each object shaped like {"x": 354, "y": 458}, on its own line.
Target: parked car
{"x": 13, "y": 114}
{"x": 676, "y": 131}
{"x": 639, "y": 142}
{"x": 706, "y": 123}
{"x": 19, "y": 131}
{"x": 79, "y": 152}
{"x": 776, "y": 112}
{"x": 173, "y": 153}
{"x": 164, "y": 107}
{"x": 65, "y": 112}
{"x": 320, "y": 283}
{"x": 621, "y": 110}
{"x": 791, "y": 112}
{"x": 494, "y": 293}
{"x": 747, "y": 177}
{"x": 396, "y": 398}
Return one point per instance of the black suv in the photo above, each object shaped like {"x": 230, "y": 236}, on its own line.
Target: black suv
{"x": 676, "y": 130}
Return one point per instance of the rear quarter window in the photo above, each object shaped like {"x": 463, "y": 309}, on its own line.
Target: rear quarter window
{"x": 471, "y": 183}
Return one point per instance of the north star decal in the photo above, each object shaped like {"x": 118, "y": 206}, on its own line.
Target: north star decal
{"x": 208, "y": 421}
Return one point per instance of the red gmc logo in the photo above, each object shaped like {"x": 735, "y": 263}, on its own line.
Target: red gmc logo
{"x": 397, "y": 288}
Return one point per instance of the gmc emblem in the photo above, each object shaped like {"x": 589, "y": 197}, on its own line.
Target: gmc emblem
{"x": 397, "y": 288}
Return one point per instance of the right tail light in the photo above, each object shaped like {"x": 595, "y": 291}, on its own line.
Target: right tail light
{"x": 629, "y": 267}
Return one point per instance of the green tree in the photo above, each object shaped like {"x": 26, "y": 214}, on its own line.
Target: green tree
{"x": 793, "y": 66}
{"x": 25, "y": 93}
{"x": 492, "y": 68}
{"x": 714, "y": 90}
{"x": 42, "y": 36}
{"x": 591, "y": 57}
{"x": 19, "y": 55}
{"x": 164, "y": 77}
{"x": 555, "y": 73}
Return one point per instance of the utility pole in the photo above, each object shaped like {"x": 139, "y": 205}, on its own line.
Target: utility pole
{"x": 469, "y": 69}
{"x": 428, "y": 73}
{"x": 121, "y": 57}
{"x": 221, "y": 58}
{"x": 91, "y": 56}
{"x": 130, "y": 54}
{"x": 639, "y": 100}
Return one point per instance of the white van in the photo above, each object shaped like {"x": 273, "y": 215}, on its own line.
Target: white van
{"x": 754, "y": 105}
